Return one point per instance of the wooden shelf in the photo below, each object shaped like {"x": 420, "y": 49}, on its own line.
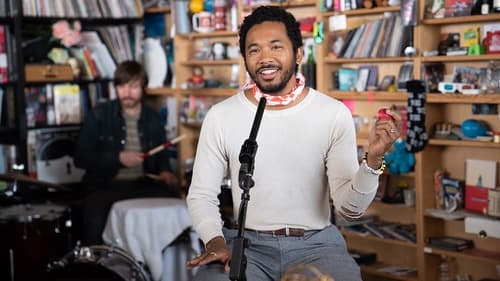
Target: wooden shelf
{"x": 192, "y": 125}
{"x": 369, "y": 95}
{"x": 209, "y": 62}
{"x": 463, "y": 143}
{"x": 158, "y": 10}
{"x": 459, "y": 98}
{"x": 472, "y": 254}
{"x": 459, "y": 20}
{"x": 196, "y": 35}
{"x": 167, "y": 91}
{"x": 335, "y": 60}
{"x": 373, "y": 238}
{"x": 286, "y": 4}
{"x": 373, "y": 269}
{"x": 364, "y": 12}
{"x": 215, "y": 92}
{"x": 454, "y": 59}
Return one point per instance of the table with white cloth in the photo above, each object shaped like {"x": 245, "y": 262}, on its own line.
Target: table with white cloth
{"x": 145, "y": 227}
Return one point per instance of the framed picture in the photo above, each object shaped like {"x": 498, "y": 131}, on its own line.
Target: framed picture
{"x": 433, "y": 73}
{"x": 363, "y": 74}
{"x": 386, "y": 82}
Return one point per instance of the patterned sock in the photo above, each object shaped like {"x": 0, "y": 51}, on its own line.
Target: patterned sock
{"x": 416, "y": 137}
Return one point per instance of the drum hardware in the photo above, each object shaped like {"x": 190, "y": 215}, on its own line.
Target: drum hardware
{"x": 11, "y": 264}
{"x": 97, "y": 259}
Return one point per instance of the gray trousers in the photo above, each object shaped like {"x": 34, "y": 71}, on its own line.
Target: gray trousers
{"x": 269, "y": 257}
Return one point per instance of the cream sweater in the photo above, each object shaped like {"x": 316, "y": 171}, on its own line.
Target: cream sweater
{"x": 306, "y": 154}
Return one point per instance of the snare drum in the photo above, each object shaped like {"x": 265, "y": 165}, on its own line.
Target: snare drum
{"x": 32, "y": 236}
{"x": 99, "y": 262}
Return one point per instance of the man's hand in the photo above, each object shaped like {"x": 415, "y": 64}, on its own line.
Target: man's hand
{"x": 169, "y": 178}
{"x": 131, "y": 159}
{"x": 383, "y": 134}
{"x": 216, "y": 251}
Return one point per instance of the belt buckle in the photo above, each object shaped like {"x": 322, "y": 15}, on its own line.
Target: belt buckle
{"x": 287, "y": 231}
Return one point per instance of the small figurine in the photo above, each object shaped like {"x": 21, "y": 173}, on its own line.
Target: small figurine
{"x": 196, "y": 81}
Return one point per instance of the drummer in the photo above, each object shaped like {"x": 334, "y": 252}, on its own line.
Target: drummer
{"x": 111, "y": 147}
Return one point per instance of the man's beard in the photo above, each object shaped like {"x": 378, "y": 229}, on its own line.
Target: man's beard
{"x": 273, "y": 89}
{"x": 129, "y": 103}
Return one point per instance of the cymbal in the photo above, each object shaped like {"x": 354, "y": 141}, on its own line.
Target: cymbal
{"x": 27, "y": 179}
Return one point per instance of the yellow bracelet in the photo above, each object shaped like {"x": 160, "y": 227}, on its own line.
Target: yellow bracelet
{"x": 364, "y": 163}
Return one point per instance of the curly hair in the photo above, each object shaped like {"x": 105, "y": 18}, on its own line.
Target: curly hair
{"x": 271, "y": 13}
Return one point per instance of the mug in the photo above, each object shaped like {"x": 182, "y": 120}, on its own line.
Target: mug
{"x": 203, "y": 22}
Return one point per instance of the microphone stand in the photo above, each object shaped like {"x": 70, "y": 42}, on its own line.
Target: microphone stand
{"x": 247, "y": 159}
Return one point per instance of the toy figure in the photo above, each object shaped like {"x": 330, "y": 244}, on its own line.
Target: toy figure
{"x": 400, "y": 161}
{"x": 196, "y": 81}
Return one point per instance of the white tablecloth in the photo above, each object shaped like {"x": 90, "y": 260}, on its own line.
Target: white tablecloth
{"x": 145, "y": 227}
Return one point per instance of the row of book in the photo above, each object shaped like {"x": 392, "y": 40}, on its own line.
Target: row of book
{"x": 83, "y": 8}
{"x": 384, "y": 37}
{"x": 371, "y": 225}
{"x": 103, "y": 48}
{"x": 8, "y": 63}
{"x": 59, "y": 104}
{"x": 7, "y": 8}
{"x": 343, "y": 5}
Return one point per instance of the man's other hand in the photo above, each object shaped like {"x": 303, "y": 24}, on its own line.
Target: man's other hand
{"x": 131, "y": 159}
{"x": 169, "y": 178}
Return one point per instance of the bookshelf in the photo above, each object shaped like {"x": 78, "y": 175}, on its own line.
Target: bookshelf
{"x": 479, "y": 262}
{"x": 12, "y": 125}
{"x": 22, "y": 20}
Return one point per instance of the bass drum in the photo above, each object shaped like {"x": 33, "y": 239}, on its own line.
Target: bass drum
{"x": 97, "y": 263}
{"x": 32, "y": 235}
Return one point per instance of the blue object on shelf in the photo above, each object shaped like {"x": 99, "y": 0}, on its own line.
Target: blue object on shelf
{"x": 472, "y": 128}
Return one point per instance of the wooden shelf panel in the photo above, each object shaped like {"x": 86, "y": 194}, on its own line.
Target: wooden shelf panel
{"x": 287, "y": 4}
{"x": 158, "y": 10}
{"x": 368, "y": 95}
{"x": 459, "y": 98}
{"x": 195, "y": 35}
{"x": 165, "y": 91}
{"x": 373, "y": 269}
{"x": 215, "y": 92}
{"x": 335, "y": 60}
{"x": 455, "y": 59}
{"x": 463, "y": 143}
{"x": 364, "y": 12}
{"x": 210, "y": 62}
{"x": 379, "y": 240}
{"x": 472, "y": 254}
{"x": 459, "y": 20}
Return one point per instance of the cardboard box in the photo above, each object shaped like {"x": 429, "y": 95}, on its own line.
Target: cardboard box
{"x": 48, "y": 72}
{"x": 476, "y": 199}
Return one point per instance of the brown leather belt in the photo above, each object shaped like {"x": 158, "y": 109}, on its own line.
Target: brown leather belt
{"x": 287, "y": 231}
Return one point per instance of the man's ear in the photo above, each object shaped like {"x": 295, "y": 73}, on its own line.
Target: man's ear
{"x": 299, "y": 56}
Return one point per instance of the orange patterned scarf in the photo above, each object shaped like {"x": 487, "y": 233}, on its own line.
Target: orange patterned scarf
{"x": 273, "y": 100}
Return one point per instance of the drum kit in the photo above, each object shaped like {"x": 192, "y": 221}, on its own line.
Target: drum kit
{"x": 37, "y": 241}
